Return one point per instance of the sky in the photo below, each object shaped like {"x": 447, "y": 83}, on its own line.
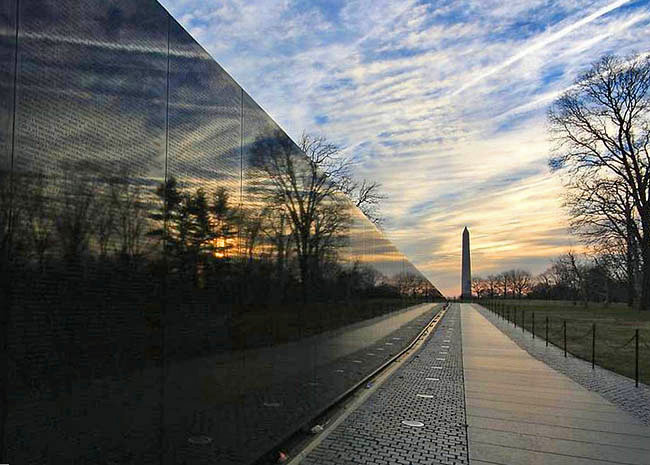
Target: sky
{"x": 443, "y": 102}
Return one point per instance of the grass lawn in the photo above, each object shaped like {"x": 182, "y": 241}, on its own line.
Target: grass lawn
{"x": 615, "y": 328}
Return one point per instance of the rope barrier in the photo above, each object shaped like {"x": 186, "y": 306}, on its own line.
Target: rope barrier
{"x": 511, "y": 316}
{"x": 588, "y": 333}
{"x": 619, "y": 347}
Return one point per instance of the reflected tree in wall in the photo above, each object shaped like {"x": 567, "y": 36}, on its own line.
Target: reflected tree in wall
{"x": 303, "y": 186}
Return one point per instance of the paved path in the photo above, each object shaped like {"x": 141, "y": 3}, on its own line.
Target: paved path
{"x": 517, "y": 409}
{"x": 616, "y": 388}
{"x": 521, "y": 411}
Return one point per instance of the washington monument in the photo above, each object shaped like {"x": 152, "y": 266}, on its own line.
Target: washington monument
{"x": 466, "y": 275}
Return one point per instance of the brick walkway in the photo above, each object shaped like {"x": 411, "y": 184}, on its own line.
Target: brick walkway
{"x": 428, "y": 389}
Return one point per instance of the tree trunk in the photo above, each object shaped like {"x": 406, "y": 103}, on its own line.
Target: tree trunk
{"x": 304, "y": 277}
{"x": 644, "y": 303}
{"x": 631, "y": 275}
{"x": 631, "y": 261}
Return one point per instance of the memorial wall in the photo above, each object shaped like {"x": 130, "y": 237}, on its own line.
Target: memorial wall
{"x": 159, "y": 300}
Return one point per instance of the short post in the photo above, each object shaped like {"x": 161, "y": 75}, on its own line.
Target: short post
{"x": 564, "y": 328}
{"x": 593, "y": 346}
{"x": 546, "y": 330}
{"x": 533, "y": 327}
{"x": 636, "y": 361}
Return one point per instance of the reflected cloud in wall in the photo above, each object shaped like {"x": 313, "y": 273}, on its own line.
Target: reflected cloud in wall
{"x": 437, "y": 102}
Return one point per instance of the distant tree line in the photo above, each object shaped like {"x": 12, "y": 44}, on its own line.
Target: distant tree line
{"x": 569, "y": 277}
{"x": 513, "y": 283}
{"x": 286, "y": 241}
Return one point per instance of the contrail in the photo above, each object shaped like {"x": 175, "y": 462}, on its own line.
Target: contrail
{"x": 543, "y": 43}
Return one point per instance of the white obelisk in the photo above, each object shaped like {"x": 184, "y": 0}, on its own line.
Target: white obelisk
{"x": 466, "y": 276}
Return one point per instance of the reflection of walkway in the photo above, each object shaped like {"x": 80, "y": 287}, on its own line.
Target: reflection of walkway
{"x": 244, "y": 401}
{"x": 517, "y": 409}
{"x": 521, "y": 411}
{"x": 262, "y": 394}
{"x": 263, "y": 367}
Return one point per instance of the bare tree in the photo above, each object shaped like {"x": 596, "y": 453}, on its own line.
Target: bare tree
{"x": 516, "y": 282}
{"x": 480, "y": 287}
{"x": 303, "y": 182}
{"x": 508, "y": 280}
{"x": 492, "y": 283}
{"x": 365, "y": 194}
{"x": 544, "y": 284}
{"x": 602, "y": 214}
{"x": 411, "y": 284}
{"x": 601, "y": 127}
{"x": 38, "y": 218}
{"x": 74, "y": 224}
{"x": 130, "y": 220}
{"x": 503, "y": 284}
{"x": 574, "y": 273}
{"x": 276, "y": 229}
{"x": 521, "y": 281}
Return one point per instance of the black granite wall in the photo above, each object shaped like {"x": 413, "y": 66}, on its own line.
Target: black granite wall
{"x": 150, "y": 291}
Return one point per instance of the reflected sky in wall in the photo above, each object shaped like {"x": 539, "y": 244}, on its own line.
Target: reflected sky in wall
{"x": 443, "y": 102}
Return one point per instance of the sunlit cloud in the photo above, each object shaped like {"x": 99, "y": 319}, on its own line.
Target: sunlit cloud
{"x": 444, "y": 104}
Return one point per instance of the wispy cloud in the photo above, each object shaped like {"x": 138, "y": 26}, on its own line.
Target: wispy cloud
{"x": 442, "y": 102}
{"x": 540, "y": 44}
